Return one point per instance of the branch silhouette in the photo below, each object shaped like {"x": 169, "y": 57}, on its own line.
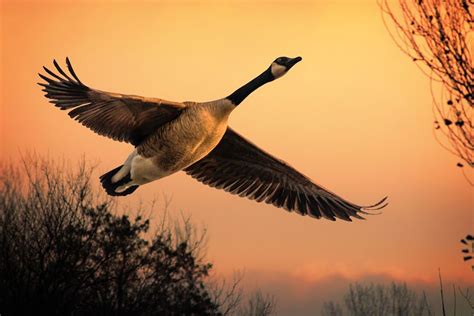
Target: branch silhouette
{"x": 437, "y": 36}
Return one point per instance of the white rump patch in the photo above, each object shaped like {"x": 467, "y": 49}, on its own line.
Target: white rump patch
{"x": 144, "y": 170}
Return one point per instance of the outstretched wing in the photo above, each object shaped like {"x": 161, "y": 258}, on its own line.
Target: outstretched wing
{"x": 239, "y": 167}
{"x": 121, "y": 117}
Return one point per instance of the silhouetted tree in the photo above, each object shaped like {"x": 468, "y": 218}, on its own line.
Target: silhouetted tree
{"x": 63, "y": 251}
{"x": 467, "y": 298}
{"x": 380, "y": 300}
{"x": 233, "y": 301}
{"x": 437, "y": 35}
{"x": 331, "y": 309}
{"x": 258, "y": 304}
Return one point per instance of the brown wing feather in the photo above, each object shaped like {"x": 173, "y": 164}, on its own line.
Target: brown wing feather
{"x": 239, "y": 167}
{"x": 121, "y": 117}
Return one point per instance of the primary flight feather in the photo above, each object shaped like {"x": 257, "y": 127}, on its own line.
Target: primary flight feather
{"x": 194, "y": 137}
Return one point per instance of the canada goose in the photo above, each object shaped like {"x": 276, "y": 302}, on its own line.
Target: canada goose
{"x": 194, "y": 137}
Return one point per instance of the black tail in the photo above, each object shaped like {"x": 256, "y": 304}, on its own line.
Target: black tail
{"x": 106, "y": 180}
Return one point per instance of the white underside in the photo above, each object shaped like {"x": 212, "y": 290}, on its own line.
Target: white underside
{"x": 142, "y": 170}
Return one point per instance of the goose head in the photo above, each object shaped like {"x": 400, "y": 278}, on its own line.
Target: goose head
{"x": 281, "y": 65}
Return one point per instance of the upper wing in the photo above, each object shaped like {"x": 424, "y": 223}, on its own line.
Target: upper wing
{"x": 239, "y": 167}
{"x": 118, "y": 116}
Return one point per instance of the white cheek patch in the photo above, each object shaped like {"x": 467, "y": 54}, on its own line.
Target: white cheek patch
{"x": 278, "y": 70}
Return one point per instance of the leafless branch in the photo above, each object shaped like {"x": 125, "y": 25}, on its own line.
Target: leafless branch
{"x": 438, "y": 36}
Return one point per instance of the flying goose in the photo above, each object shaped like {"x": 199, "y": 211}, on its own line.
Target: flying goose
{"x": 194, "y": 137}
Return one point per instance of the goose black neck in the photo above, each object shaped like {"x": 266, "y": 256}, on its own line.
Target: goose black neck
{"x": 240, "y": 94}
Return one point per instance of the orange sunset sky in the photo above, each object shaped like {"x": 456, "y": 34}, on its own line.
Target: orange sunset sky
{"x": 355, "y": 116}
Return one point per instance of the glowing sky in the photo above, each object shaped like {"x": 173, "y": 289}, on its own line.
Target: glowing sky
{"x": 355, "y": 116}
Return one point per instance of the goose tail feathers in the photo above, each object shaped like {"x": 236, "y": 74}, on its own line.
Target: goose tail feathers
{"x": 111, "y": 187}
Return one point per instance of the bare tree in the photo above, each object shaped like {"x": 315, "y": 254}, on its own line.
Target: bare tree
{"x": 380, "y": 300}
{"x": 467, "y": 297}
{"x": 367, "y": 300}
{"x": 227, "y": 295}
{"x": 437, "y": 35}
{"x": 331, "y": 309}
{"x": 66, "y": 251}
{"x": 258, "y": 304}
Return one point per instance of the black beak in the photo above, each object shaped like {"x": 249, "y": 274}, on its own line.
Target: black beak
{"x": 293, "y": 62}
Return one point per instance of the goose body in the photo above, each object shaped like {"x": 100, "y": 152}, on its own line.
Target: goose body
{"x": 195, "y": 138}
{"x": 178, "y": 144}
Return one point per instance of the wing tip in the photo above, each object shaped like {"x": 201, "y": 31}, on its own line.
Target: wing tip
{"x": 64, "y": 78}
{"x": 371, "y": 209}
{"x": 366, "y": 210}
